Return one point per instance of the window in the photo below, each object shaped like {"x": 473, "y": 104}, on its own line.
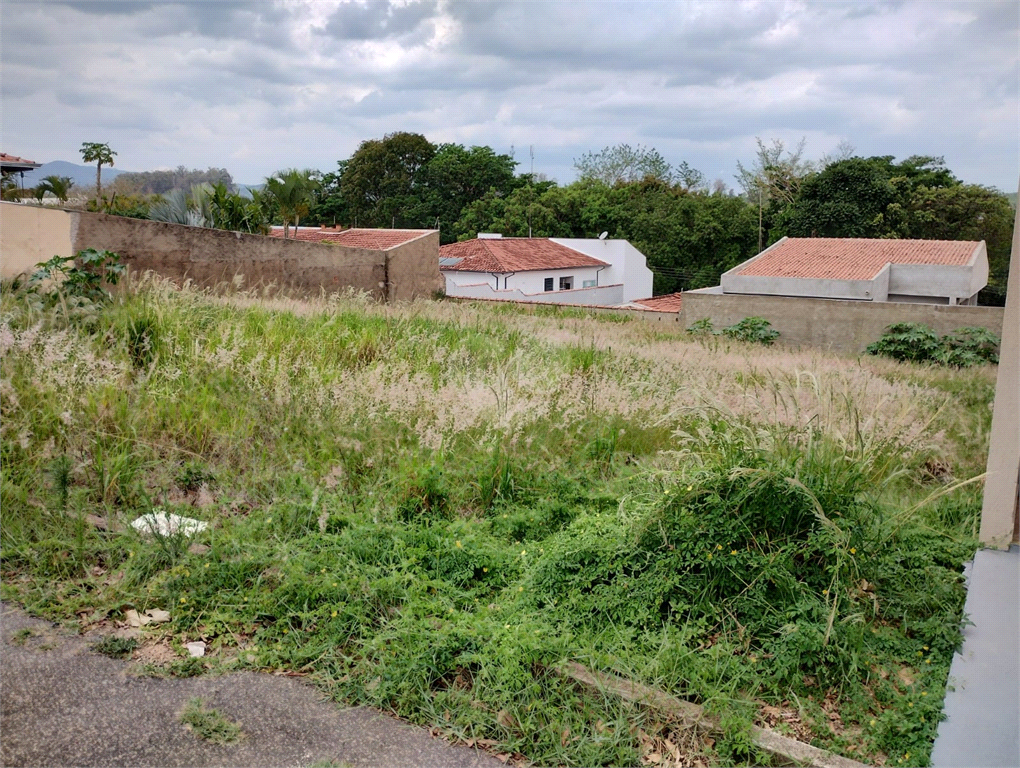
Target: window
{"x": 588, "y": 283}
{"x": 567, "y": 283}
{"x": 548, "y": 283}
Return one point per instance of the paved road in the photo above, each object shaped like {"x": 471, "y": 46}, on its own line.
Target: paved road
{"x": 67, "y": 706}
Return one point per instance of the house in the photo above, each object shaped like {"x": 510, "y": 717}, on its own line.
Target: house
{"x": 667, "y": 302}
{"x": 586, "y": 271}
{"x": 14, "y": 164}
{"x": 857, "y": 269}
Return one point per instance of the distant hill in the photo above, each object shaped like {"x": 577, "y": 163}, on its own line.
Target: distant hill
{"x": 82, "y": 175}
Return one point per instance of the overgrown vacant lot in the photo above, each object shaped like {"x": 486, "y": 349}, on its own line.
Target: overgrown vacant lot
{"x": 426, "y": 507}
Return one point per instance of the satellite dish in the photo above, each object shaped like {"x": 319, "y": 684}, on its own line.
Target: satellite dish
{"x": 603, "y": 236}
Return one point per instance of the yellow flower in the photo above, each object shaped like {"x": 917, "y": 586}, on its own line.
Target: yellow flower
{"x": 924, "y": 693}
{"x": 207, "y": 565}
{"x": 459, "y": 545}
{"x": 709, "y": 555}
{"x": 853, "y": 550}
{"x": 718, "y": 546}
{"x": 733, "y": 551}
{"x": 825, "y": 591}
{"x": 520, "y": 589}
{"x": 910, "y": 704}
{"x": 872, "y": 722}
{"x": 485, "y": 570}
{"x": 334, "y": 583}
{"x": 286, "y": 631}
{"x": 690, "y": 487}
{"x": 323, "y": 570}
{"x": 506, "y": 626}
{"x": 333, "y": 614}
{"x": 184, "y": 600}
{"x": 524, "y": 552}
{"x": 925, "y": 647}
{"x": 927, "y": 661}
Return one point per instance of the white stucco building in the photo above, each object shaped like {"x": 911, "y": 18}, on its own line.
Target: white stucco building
{"x": 555, "y": 270}
{"x": 858, "y": 269}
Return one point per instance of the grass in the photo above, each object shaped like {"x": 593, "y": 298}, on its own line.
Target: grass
{"x": 210, "y": 724}
{"x": 423, "y": 508}
{"x": 115, "y": 647}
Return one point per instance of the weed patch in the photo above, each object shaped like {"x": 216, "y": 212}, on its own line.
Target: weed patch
{"x": 210, "y": 724}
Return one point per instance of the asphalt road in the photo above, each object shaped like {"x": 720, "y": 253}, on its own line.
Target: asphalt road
{"x": 63, "y": 705}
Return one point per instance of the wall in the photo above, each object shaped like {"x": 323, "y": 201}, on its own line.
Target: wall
{"x": 209, "y": 257}
{"x": 605, "y": 295}
{"x": 839, "y": 326}
{"x": 627, "y": 264}
{"x": 30, "y": 234}
{"x": 1000, "y": 512}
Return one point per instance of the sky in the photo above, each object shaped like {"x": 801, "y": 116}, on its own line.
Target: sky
{"x": 256, "y": 87}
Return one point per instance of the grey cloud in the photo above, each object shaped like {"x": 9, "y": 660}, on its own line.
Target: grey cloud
{"x": 377, "y": 19}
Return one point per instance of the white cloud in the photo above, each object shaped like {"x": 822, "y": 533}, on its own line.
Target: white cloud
{"x": 257, "y": 87}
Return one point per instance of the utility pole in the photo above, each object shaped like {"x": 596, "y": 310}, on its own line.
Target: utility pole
{"x": 759, "y": 216}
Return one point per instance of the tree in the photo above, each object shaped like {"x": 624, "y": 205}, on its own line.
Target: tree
{"x": 623, "y": 164}
{"x": 100, "y": 154}
{"x": 776, "y": 173}
{"x": 849, "y": 198}
{"x": 58, "y": 186}
{"x": 292, "y": 192}
{"x": 384, "y": 176}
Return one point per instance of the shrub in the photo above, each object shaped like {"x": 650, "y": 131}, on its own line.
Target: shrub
{"x": 83, "y": 276}
{"x": 756, "y": 330}
{"x": 917, "y": 343}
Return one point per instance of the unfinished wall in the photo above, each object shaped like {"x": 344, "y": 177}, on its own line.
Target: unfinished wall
{"x": 839, "y": 326}
{"x": 413, "y": 268}
{"x": 30, "y": 234}
{"x": 210, "y": 257}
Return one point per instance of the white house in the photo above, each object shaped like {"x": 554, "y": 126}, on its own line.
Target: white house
{"x": 556, "y": 270}
{"x": 858, "y": 269}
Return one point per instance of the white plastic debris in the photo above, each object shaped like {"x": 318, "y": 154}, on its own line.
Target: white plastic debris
{"x": 196, "y": 649}
{"x": 162, "y": 523}
{"x": 157, "y": 616}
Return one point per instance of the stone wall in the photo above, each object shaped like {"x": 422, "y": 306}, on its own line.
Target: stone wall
{"x": 838, "y": 326}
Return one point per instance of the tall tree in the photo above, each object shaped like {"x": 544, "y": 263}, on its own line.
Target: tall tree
{"x": 100, "y": 154}
{"x": 384, "y": 176}
{"x": 58, "y": 186}
{"x": 776, "y": 172}
{"x": 623, "y": 164}
{"x": 293, "y": 193}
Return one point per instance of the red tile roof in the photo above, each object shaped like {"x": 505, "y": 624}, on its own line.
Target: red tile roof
{"x": 668, "y": 302}
{"x": 372, "y": 239}
{"x": 15, "y": 160}
{"x": 853, "y": 258}
{"x": 514, "y": 254}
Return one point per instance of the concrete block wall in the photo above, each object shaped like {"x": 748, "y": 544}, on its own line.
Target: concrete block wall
{"x": 209, "y": 257}
{"x": 838, "y": 326}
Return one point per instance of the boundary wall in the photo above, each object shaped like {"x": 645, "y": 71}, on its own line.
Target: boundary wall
{"x": 209, "y": 257}
{"x": 830, "y": 324}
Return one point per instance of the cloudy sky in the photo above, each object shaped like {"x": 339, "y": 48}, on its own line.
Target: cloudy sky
{"x": 259, "y": 86}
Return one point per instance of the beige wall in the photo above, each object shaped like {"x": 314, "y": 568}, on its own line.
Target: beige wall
{"x": 30, "y": 234}
{"x": 413, "y": 268}
{"x": 999, "y": 514}
{"x": 209, "y": 257}
{"x": 839, "y": 326}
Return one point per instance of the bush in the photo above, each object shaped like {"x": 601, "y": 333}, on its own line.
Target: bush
{"x": 756, "y": 330}
{"x": 917, "y": 343}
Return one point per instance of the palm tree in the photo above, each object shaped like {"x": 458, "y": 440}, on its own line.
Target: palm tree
{"x": 60, "y": 186}
{"x": 93, "y": 152}
{"x": 292, "y": 191}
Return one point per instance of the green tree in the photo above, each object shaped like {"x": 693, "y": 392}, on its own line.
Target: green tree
{"x": 775, "y": 174}
{"x": 58, "y": 186}
{"x": 293, "y": 192}
{"x": 623, "y": 164}
{"x": 100, "y": 154}
{"x": 384, "y": 176}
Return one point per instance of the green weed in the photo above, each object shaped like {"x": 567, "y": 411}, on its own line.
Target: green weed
{"x": 210, "y": 724}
